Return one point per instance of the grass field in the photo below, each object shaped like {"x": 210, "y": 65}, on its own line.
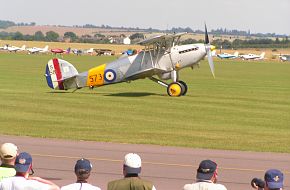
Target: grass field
{"x": 247, "y": 106}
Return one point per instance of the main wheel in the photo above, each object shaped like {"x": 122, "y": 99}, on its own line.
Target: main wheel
{"x": 174, "y": 89}
{"x": 184, "y": 87}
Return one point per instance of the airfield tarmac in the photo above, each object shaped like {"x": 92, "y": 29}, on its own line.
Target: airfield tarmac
{"x": 168, "y": 167}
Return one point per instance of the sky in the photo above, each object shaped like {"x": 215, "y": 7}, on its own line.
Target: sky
{"x": 258, "y": 16}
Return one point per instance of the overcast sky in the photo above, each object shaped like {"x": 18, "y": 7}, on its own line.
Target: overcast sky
{"x": 255, "y": 15}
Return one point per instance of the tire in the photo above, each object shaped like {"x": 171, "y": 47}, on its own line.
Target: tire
{"x": 184, "y": 87}
{"x": 174, "y": 89}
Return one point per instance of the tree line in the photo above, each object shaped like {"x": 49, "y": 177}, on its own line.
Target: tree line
{"x": 220, "y": 31}
{"x": 52, "y": 36}
{"x": 6, "y": 23}
{"x": 252, "y": 43}
{"x": 238, "y": 43}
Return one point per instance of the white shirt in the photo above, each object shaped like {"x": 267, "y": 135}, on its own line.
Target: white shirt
{"x": 20, "y": 183}
{"x": 77, "y": 186}
{"x": 204, "y": 185}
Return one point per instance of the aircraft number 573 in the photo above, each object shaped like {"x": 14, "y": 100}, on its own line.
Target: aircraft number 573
{"x": 96, "y": 78}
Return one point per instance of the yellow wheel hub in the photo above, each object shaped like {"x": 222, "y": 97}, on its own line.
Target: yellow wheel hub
{"x": 174, "y": 89}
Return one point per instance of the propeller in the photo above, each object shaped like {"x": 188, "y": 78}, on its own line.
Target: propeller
{"x": 208, "y": 49}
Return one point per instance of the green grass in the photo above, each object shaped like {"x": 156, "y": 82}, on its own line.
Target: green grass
{"x": 247, "y": 106}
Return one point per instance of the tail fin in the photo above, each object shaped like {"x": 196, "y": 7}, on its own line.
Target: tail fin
{"x": 23, "y": 47}
{"x": 60, "y": 74}
{"x": 262, "y": 56}
{"x": 45, "y": 48}
{"x": 236, "y": 54}
{"x": 68, "y": 50}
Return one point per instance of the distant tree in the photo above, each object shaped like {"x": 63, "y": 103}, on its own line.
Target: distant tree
{"x": 191, "y": 41}
{"x": 52, "y": 36}
{"x": 72, "y": 36}
{"x": 97, "y": 35}
{"x": 17, "y": 36}
{"x": 6, "y": 24}
{"x": 137, "y": 36}
{"x": 28, "y": 37}
{"x": 39, "y": 36}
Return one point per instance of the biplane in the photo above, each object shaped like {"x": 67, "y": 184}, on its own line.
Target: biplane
{"x": 161, "y": 57}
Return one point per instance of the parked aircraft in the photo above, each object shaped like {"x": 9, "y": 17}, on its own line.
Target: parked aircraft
{"x": 14, "y": 48}
{"x": 60, "y": 51}
{"x": 90, "y": 51}
{"x": 228, "y": 55}
{"x": 4, "y": 47}
{"x": 284, "y": 57}
{"x": 37, "y": 50}
{"x": 161, "y": 56}
{"x": 104, "y": 52}
{"x": 253, "y": 56}
{"x": 77, "y": 51}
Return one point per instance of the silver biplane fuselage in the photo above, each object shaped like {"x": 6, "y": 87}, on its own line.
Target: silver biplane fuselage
{"x": 158, "y": 61}
{"x": 161, "y": 56}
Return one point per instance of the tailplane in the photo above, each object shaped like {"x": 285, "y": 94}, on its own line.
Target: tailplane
{"x": 61, "y": 75}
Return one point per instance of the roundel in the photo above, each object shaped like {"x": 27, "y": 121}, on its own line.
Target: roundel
{"x": 110, "y": 75}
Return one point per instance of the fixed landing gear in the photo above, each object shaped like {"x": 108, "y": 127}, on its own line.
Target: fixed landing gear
{"x": 177, "y": 89}
{"x": 174, "y": 89}
{"x": 184, "y": 86}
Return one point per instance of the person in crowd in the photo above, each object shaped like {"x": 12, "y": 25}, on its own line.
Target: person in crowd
{"x": 273, "y": 181}
{"x": 132, "y": 180}
{"x": 22, "y": 180}
{"x": 206, "y": 177}
{"x": 8, "y": 153}
{"x": 83, "y": 168}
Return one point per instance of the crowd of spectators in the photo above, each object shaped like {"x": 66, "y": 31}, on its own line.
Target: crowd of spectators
{"x": 16, "y": 173}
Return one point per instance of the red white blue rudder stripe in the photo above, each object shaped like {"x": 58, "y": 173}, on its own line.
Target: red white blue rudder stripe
{"x": 54, "y": 75}
{"x": 60, "y": 74}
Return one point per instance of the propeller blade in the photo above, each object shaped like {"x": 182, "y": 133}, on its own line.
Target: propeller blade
{"x": 208, "y": 48}
{"x": 206, "y": 39}
{"x": 210, "y": 62}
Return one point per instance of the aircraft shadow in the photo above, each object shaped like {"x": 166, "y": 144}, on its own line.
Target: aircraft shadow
{"x": 59, "y": 92}
{"x": 123, "y": 94}
{"x": 133, "y": 94}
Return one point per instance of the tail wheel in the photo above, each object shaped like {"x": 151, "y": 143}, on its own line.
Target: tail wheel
{"x": 174, "y": 89}
{"x": 184, "y": 87}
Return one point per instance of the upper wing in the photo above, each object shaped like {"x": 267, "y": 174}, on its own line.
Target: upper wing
{"x": 162, "y": 39}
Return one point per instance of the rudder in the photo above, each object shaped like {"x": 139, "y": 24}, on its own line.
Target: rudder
{"x": 57, "y": 72}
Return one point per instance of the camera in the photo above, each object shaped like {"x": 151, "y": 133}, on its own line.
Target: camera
{"x": 256, "y": 182}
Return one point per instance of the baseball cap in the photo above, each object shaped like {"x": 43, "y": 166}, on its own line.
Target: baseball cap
{"x": 83, "y": 164}
{"x": 23, "y": 162}
{"x": 8, "y": 151}
{"x": 206, "y": 170}
{"x": 132, "y": 162}
{"x": 274, "y": 179}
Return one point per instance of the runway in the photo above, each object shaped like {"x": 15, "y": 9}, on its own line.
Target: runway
{"x": 168, "y": 167}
